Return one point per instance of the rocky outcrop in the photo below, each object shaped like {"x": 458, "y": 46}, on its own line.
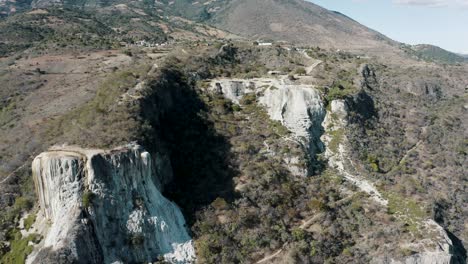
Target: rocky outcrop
{"x": 107, "y": 207}
{"x": 297, "y": 107}
{"x": 335, "y": 123}
{"x": 300, "y": 109}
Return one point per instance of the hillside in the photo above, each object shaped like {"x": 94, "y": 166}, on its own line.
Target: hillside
{"x": 299, "y": 22}
{"x": 433, "y": 53}
{"x": 160, "y": 131}
{"x": 294, "y": 21}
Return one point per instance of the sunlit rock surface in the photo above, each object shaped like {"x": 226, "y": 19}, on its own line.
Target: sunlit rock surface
{"x": 298, "y": 107}
{"x": 107, "y": 207}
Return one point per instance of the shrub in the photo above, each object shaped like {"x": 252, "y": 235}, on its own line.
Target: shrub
{"x": 23, "y": 204}
{"x": 136, "y": 239}
{"x": 301, "y": 71}
{"x": 19, "y": 247}
{"x": 298, "y": 234}
{"x": 29, "y": 221}
{"x": 317, "y": 205}
{"x": 219, "y": 204}
{"x": 88, "y": 198}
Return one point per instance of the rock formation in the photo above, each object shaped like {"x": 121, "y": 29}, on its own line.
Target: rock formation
{"x": 107, "y": 207}
{"x": 298, "y": 107}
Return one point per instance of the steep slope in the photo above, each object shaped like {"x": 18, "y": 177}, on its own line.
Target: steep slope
{"x": 240, "y": 168}
{"x": 438, "y": 54}
{"x": 295, "y": 21}
{"x": 299, "y": 22}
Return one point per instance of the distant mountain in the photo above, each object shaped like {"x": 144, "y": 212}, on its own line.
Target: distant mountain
{"x": 295, "y": 21}
{"x": 434, "y": 53}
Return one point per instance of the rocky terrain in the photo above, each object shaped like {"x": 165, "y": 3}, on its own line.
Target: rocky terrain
{"x": 139, "y": 131}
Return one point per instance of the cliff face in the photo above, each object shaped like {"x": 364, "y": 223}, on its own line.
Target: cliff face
{"x": 107, "y": 207}
{"x": 297, "y": 107}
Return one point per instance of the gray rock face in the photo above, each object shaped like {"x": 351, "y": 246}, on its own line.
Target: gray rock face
{"x": 107, "y": 207}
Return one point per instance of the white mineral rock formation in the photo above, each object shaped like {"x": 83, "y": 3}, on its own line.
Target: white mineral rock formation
{"x": 298, "y": 107}
{"x": 107, "y": 207}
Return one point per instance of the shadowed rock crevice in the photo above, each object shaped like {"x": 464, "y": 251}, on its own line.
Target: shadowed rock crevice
{"x": 459, "y": 251}
{"x": 199, "y": 156}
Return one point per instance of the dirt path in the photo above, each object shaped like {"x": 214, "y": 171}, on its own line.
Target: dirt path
{"x": 314, "y": 62}
{"x": 16, "y": 170}
{"x": 272, "y": 256}
{"x": 409, "y": 151}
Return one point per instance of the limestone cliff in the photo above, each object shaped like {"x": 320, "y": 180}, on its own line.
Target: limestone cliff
{"x": 107, "y": 207}
{"x": 297, "y": 107}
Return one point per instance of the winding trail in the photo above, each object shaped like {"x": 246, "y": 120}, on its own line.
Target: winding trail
{"x": 272, "y": 256}
{"x": 16, "y": 170}
{"x": 314, "y": 62}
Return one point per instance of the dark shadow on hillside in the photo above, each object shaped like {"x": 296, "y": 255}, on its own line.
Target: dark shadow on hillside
{"x": 199, "y": 156}
{"x": 459, "y": 250}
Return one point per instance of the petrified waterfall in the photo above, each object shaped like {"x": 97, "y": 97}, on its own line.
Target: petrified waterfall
{"x": 298, "y": 107}
{"x": 107, "y": 207}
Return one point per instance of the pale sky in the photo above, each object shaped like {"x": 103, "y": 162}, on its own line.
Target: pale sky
{"x": 443, "y": 23}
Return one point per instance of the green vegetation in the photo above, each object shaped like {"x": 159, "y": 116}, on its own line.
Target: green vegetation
{"x": 109, "y": 123}
{"x": 410, "y": 211}
{"x": 340, "y": 90}
{"x": 20, "y": 247}
{"x": 432, "y": 53}
{"x": 336, "y": 139}
{"x": 29, "y": 221}
{"x": 88, "y": 198}
{"x": 374, "y": 163}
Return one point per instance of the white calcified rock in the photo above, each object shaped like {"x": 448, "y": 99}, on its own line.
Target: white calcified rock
{"x": 298, "y": 107}
{"x": 233, "y": 89}
{"x": 127, "y": 220}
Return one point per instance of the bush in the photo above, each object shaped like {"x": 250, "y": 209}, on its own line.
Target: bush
{"x": 23, "y": 204}
{"x": 88, "y": 198}
{"x": 19, "y": 247}
{"x": 300, "y": 71}
{"x": 29, "y": 221}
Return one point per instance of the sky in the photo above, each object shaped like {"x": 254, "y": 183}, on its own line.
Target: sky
{"x": 443, "y": 23}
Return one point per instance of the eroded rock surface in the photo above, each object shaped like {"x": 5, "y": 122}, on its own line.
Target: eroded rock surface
{"x": 298, "y": 107}
{"x": 107, "y": 207}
